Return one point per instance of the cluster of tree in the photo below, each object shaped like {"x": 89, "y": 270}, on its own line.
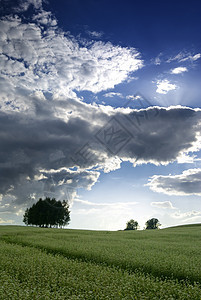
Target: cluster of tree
{"x": 47, "y": 213}
{"x": 131, "y": 225}
{"x": 150, "y": 224}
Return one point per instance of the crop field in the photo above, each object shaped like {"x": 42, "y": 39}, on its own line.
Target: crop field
{"x": 41, "y": 263}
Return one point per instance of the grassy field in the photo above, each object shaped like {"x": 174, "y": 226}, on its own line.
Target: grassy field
{"x": 40, "y": 263}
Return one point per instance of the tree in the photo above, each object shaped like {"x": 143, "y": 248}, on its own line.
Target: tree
{"x": 152, "y": 224}
{"x": 47, "y": 213}
{"x": 131, "y": 225}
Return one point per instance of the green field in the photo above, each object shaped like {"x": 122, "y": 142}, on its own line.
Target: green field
{"x": 41, "y": 263}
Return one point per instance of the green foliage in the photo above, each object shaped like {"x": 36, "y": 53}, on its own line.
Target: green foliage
{"x": 152, "y": 224}
{"x": 37, "y": 263}
{"x": 131, "y": 225}
{"x": 47, "y": 213}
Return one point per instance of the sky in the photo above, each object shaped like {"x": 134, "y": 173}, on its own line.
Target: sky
{"x": 100, "y": 105}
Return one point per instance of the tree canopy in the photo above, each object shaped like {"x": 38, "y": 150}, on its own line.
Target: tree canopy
{"x": 47, "y": 213}
{"x": 152, "y": 224}
{"x": 131, "y": 225}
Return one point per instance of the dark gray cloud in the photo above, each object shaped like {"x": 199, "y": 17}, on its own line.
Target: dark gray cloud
{"x": 39, "y": 144}
{"x": 187, "y": 183}
{"x": 162, "y": 137}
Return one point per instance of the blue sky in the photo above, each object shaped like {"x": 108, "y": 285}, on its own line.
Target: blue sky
{"x": 100, "y": 105}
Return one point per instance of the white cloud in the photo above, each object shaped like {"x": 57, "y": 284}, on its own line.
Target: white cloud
{"x": 196, "y": 56}
{"x": 186, "y": 159}
{"x": 131, "y": 78}
{"x": 95, "y": 34}
{"x": 164, "y": 204}
{"x": 177, "y": 57}
{"x": 19, "y": 6}
{"x": 113, "y": 94}
{"x": 106, "y": 204}
{"x": 187, "y": 183}
{"x": 184, "y": 56}
{"x": 164, "y": 86}
{"x": 179, "y": 70}
{"x": 36, "y": 3}
{"x": 110, "y": 164}
{"x": 44, "y": 18}
{"x": 191, "y": 57}
{"x": 178, "y": 217}
{"x": 157, "y": 60}
{"x": 184, "y": 215}
{"x": 50, "y": 61}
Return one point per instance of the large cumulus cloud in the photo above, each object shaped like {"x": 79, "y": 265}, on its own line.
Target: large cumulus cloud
{"x": 36, "y": 56}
